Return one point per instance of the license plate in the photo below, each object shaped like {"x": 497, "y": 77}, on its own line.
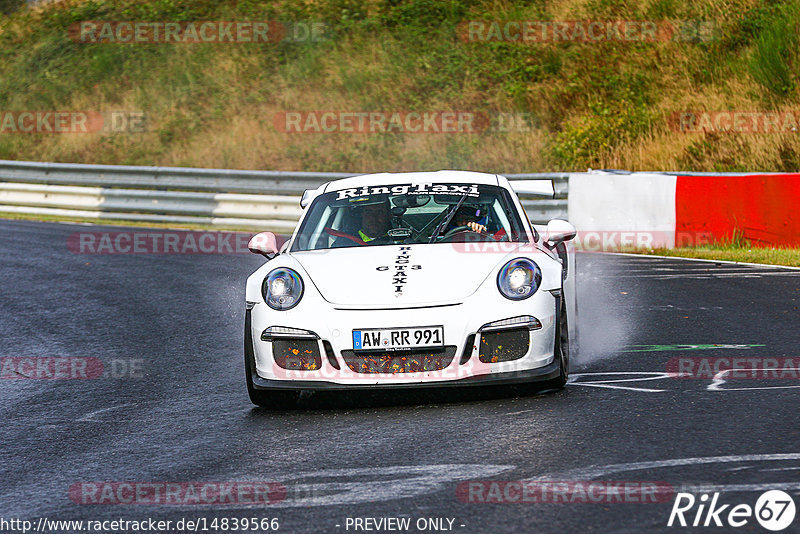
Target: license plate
{"x": 398, "y": 338}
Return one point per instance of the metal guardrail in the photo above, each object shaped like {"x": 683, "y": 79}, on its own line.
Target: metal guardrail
{"x": 166, "y": 178}
{"x": 219, "y": 197}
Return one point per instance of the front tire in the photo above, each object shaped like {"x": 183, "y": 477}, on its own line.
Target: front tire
{"x": 561, "y": 350}
{"x": 276, "y": 400}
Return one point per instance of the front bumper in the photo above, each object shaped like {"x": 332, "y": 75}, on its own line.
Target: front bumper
{"x": 461, "y": 322}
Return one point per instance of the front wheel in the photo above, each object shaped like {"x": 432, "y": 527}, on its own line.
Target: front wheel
{"x": 561, "y": 350}
{"x": 276, "y": 400}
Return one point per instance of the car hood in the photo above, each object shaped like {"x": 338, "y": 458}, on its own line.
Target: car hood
{"x": 398, "y": 275}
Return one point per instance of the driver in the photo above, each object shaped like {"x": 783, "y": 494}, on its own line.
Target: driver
{"x": 375, "y": 221}
{"x": 468, "y": 216}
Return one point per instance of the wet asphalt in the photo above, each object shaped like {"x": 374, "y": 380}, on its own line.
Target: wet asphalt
{"x": 171, "y": 405}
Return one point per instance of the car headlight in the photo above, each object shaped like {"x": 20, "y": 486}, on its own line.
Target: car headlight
{"x": 282, "y": 289}
{"x": 519, "y": 279}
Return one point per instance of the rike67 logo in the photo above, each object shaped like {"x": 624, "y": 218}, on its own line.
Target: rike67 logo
{"x": 774, "y": 510}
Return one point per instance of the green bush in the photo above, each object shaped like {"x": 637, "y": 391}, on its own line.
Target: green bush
{"x": 582, "y": 143}
{"x": 773, "y": 59}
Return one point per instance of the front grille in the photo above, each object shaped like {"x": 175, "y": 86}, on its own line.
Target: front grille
{"x": 297, "y": 354}
{"x": 504, "y": 346}
{"x": 410, "y": 361}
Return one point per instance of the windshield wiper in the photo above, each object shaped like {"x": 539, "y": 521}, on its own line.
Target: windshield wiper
{"x": 447, "y": 219}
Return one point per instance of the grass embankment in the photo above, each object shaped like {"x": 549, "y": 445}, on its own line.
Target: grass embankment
{"x": 603, "y": 104}
{"x": 735, "y": 248}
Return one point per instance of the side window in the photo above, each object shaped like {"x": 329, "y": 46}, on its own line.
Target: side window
{"x": 517, "y": 232}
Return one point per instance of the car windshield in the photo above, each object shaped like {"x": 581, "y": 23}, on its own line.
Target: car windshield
{"x": 409, "y": 214}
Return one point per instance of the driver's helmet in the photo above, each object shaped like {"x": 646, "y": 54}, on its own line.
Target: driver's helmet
{"x": 467, "y": 214}
{"x": 374, "y": 217}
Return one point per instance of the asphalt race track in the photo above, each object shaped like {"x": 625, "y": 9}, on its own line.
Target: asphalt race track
{"x": 171, "y": 405}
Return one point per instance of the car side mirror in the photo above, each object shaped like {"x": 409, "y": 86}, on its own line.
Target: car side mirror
{"x": 264, "y": 243}
{"x": 559, "y": 231}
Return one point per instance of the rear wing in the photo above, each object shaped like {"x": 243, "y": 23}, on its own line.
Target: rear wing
{"x": 541, "y": 188}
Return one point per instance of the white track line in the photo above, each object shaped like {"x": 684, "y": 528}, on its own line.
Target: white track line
{"x": 703, "y": 260}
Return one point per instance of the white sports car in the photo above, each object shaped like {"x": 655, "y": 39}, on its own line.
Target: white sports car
{"x": 411, "y": 280}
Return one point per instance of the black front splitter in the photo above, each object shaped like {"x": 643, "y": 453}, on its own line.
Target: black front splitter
{"x": 541, "y": 374}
